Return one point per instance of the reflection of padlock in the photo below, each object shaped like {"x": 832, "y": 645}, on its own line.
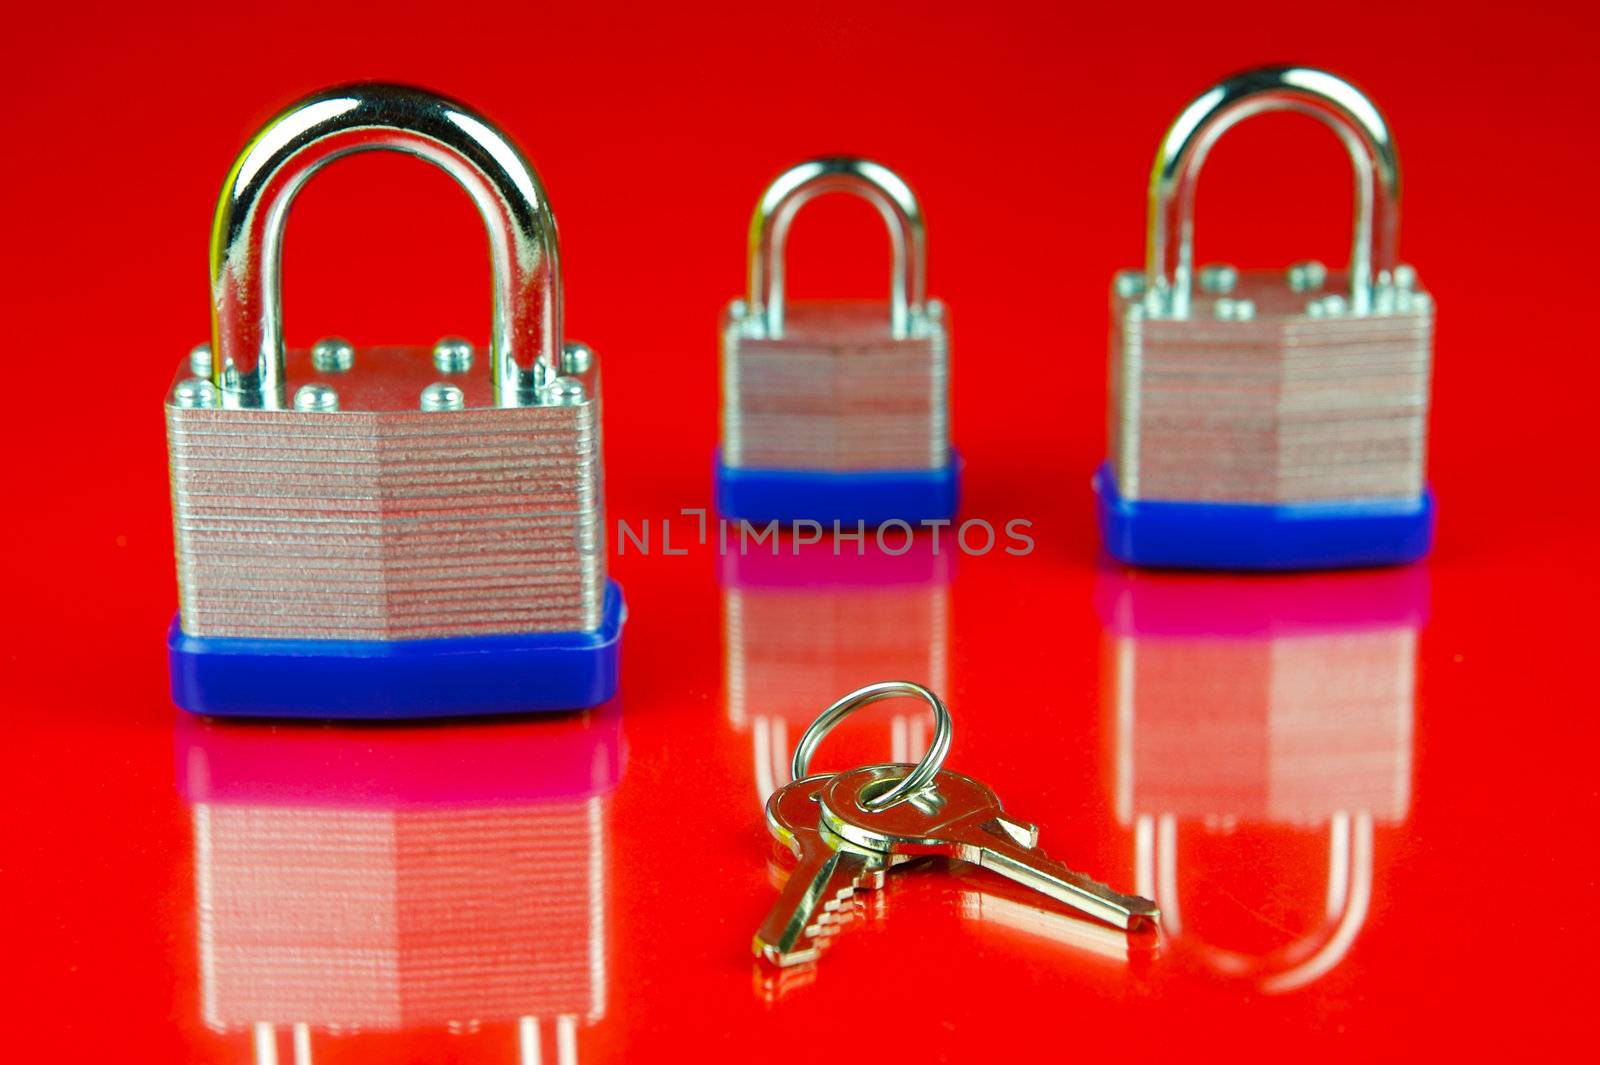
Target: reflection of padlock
{"x": 1242, "y": 704}
{"x": 1260, "y": 423}
{"x": 835, "y": 411}
{"x": 801, "y": 630}
{"x": 444, "y": 880}
{"x": 394, "y": 544}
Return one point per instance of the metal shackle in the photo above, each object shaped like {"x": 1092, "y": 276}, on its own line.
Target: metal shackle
{"x": 247, "y": 234}
{"x": 1169, "y": 263}
{"x": 798, "y": 186}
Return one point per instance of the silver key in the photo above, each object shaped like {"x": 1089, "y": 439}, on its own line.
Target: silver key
{"x": 961, "y": 818}
{"x": 821, "y": 883}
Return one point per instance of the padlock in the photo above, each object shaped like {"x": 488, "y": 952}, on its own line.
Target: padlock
{"x": 403, "y": 884}
{"x": 803, "y": 625}
{"x": 400, "y": 536}
{"x": 1277, "y": 710}
{"x": 1269, "y": 420}
{"x": 835, "y": 410}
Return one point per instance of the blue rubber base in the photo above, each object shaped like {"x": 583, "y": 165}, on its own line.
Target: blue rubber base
{"x": 398, "y": 679}
{"x": 1262, "y": 536}
{"x": 871, "y": 497}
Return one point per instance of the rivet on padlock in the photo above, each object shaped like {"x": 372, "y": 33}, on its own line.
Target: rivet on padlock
{"x": 1261, "y": 419}
{"x": 348, "y": 549}
{"x": 832, "y": 410}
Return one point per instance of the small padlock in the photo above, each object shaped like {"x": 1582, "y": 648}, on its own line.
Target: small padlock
{"x": 1267, "y": 420}
{"x": 835, "y": 410}
{"x": 400, "y": 536}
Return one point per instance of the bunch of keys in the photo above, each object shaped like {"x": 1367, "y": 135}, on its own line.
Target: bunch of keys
{"x": 848, "y": 830}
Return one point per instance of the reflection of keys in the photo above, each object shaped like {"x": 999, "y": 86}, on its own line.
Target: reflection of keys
{"x": 1003, "y": 905}
{"x": 823, "y": 880}
{"x": 962, "y": 818}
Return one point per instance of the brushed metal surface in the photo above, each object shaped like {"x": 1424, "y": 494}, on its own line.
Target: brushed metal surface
{"x": 1284, "y": 406}
{"x": 383, "y": 521}
{"x": 837, "y": 391}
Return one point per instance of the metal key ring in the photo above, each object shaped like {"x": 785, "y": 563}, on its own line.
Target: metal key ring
{"x": 920, "y": 777}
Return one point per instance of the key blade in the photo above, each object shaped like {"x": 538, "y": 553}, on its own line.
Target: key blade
{"x": 968, "y": 824}
{"x": 810, "y": 899}
{"x": 1049, "y": 877}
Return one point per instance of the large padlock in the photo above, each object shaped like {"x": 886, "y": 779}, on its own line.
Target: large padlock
{"x": 836, "y": 411}
{"x": 403, "y": 885}
{"x": 1269, "y": 420}
{"x": 1277, "y": 710}
{"x": 398, "y": 536}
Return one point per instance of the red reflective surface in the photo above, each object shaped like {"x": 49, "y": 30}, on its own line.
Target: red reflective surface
{"x": 1366, "y": 801}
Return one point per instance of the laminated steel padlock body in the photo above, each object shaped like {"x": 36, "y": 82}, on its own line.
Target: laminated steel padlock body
{"x": 383, "y": 522}
{"x": 836, "y": 391}
{"x": 404, "y": 533}
{"x": 1269, "y": 419}
{"x": 835, "y": 409}
{"x": 1283, "y": 407}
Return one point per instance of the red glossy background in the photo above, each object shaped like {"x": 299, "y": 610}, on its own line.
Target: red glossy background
{"x": 1027, "y": 131}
